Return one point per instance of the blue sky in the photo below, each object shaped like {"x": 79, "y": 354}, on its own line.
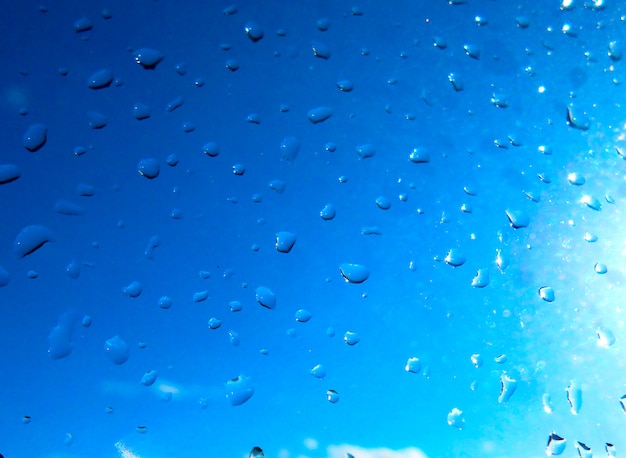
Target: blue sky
{"x": 123, "y": 238}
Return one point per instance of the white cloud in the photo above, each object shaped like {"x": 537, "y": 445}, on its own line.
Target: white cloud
{"x": 340, "y": 451}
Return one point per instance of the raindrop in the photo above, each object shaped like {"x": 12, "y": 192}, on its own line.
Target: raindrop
{"x": 254, "y": 31}
{"x": 141, "y": 111}
{"x": 320, "y": 50}
{"x": 256, "y": 452}
{"x": 413, "y": 365}
{"x": 148, "y": 58}
{"x": 174, "y": 104}
{"x": 265, "y": 297}
{"x": 345, "y": 85}
{"x": 556, "y": 444}
{"x": 83, "y": 25}
{"x": 100, "y": 79}
{"x": 366, "y": 151}
{"x": 239, "y": 169}
{"x": 591, "y": 202}
{"x": 383, "y": 203}
{"x": 165, "y": 302}
{"x": 117, "y": 350}
{"x": 278, "y": 186}
{"x": 319, "y": 114}
{"x": 289, "y": 148}
{"x": 322, "y": 24}
{"x": 233, "y": 338}
{"x": 546, "y": 401}
{"x": 591, "y": 238}
{"x": 600, "y": 268}
{"x": 133, "y": 289}
{"x": 285, "y": 241}
{"x": 615, "y": 51}
{"x": 302, "y": 316}
{"x": 235, "y": 306}
{"x": 30, "y": 239}
{"x": 351, "y": 338}
{"x": 606, "y": 338}
{"x": 200, "y": 296}
{"x": 148, "y": 168}
{"x": 149, "y": 378}
{"x": 455, "y": 258}
{"x": 574, "y": 397}
{"x": 517, "y": 218}
{"x": 73, "y": 269}
{"x": 239, "y": 390}
{"x": 455, "y": 418}
{"x": 60, "y": 338}
{"x": 577, "y": 118}
{"x": 332, "y": 396}
{"x": 481, "y": 279}
{"x": 65, "y": 207}
{"x": 500, "y": 359}
{"x": 214, "y": 323}
{"x": 547, "y": 293}
{"x": 35, "y": 137}
{"x": 472, "y": 51}
{"x": 477, "y": 360}
{"x": 96, "y": 120}
{"x": 318, "y": 371}
{"x": 9, "y": 173}
{"x": 576, "y": 179}
{"x": 354, "y": 273}
{"x": 419, "y": 155}
{"x": 328, "y": 212}
{"x": 508, "y": 385}
{"x": 5, "y": 277}
{"x": 456, "y": 81}
{"x": 500, "y": 100}
{"x": 232, "y": 65}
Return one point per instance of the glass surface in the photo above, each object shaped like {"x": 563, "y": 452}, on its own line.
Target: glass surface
{"x": 324, "y": 229}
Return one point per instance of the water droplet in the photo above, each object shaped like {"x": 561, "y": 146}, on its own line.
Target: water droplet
{"x": 200, "y": 296}
{"x": 574, "y": 397}
{"x": 148, "y": 58}
{"x": 149, "y": 378}
{"x": 328, "y": 212}
{"x": 577, "y": 118}
{"x": 73, "y": 269}
{"x": 477, "y": 360}
{"x": 30, "y": 239}
{"x": 148, "y": 168}
{"x": 235, "y": 306}
{"x": 100, "y": 79}
{"x": 517, "y": 218}
{"x": 500, "y": 100}
{"x": 215, "y": 323}
{"x": 165, "y": 302}
{"x": 455, "y": 258}
{"x": 456, "y": 81}
{"x": 600, "y": 268}
{"x": 556, "y": 444}
{"x": 289, "y": 148}
{"x": 319, "y": 114}
{"x": 591, "y": 202}
{"x": 419, "y": 155}
{"x": 141, "y": 111}
{"x": 256, "y": 452}
{"x": 354, "y": 273}
{"x": 134, "y": 289}
{"x": 351, "y": 338}
{"x": 332, "y": 396}
{"x": 318, "y": 371}
{"x": 9, "y": 173}
{"x": 413, "y": 365}
{"x": 366, "y": 151}
{"x": 254, "y": 31}
{"x": 174, "y": 104}
{"x": 508, "y": 385}
{"x": 455, "y": 418}
{"x": 302, "y": 316}
{"x": 606, "y": 338}
{"x": 481, "y": 279}
{"x": 83, "y": 25}
{"x": 321, "y": 50}
{"x": 35, "y": 137}
{"x": 278, "y": 186}
{"x": 285, "y": 241}
{"x": 500, "y": 359}
{"x": 65, "y": 207}
{"x": 60, "y": 338}
{"x": 239, "y": 390}
{"x": 576, "y": 179}
{"x": 547, "y": 293}
{"x": 546, "y": 401}
{"x": 265, "y": 297}
{"x": 345, "y": 85}
{"x": 117, "y": 350}
{"x": 472, "y": 51}
{"x": 96, "y": 120}
{"x": 384, "y": 203}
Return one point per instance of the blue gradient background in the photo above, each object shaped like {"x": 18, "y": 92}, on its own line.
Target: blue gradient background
{"x": 412, "y": 304}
